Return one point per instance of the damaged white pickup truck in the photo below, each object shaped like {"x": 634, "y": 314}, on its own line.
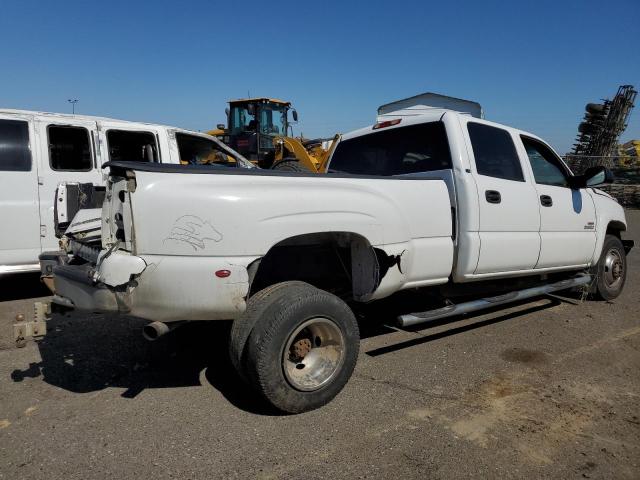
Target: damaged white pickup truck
{"x": 442, "y": 202}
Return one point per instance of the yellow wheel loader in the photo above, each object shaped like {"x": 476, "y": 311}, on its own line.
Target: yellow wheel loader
{"x": 258, "y": 128}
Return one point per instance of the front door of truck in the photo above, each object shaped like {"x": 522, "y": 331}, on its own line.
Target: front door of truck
{"x": 567, "y": 216}
{"x": 509, "y": 218}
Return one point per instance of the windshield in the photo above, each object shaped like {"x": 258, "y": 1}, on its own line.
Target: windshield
{"x": 199, "y": 150}
{"x": 273, "y": 119}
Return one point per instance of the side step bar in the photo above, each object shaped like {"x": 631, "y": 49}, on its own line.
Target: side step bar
{"x": 467, "y": 307}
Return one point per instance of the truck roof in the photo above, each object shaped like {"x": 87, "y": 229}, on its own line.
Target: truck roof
{"x": 429, "y": 115}
{"x": 68, "y": 116}
{"x": 259, "y": 99}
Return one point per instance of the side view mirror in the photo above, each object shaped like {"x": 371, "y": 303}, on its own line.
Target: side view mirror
{"x": 294, "y": 114}
{"x": 226, "y": 112}
{"x": 593, "y": 177}
{"x": 220, "y": 126}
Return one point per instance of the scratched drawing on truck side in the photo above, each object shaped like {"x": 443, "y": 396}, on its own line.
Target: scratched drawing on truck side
{"x": 194, "y": 231}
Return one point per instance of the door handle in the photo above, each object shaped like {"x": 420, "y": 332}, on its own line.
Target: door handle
{"x": 546, "y": 200}
{"x": 493, "y": 196}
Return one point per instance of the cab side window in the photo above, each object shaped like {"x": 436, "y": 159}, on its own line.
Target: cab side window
{"x": 69, "y": 148}
{"x": 494, "y": 152}
{"x": 15, "y": 155}
{"x": 130, "y": 146}
{"x": 546, "y": 166}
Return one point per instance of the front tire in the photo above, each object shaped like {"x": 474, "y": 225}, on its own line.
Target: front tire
{"x": 611, "y": 269}
{"x": 300, "y": 355}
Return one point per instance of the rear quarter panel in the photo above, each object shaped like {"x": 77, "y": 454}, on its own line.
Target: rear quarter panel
{"x": 246, "y": 215}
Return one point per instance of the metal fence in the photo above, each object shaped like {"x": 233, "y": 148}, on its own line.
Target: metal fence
{"x": 626, "y": 169}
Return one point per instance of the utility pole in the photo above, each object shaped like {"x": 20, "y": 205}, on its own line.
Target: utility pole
{"x": 73, "y": 105}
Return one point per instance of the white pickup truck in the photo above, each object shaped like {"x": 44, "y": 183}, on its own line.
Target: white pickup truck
{"x": 439, "y": 201}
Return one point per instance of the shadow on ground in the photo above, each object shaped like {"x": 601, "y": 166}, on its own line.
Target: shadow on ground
{"x": 86, "y": 353}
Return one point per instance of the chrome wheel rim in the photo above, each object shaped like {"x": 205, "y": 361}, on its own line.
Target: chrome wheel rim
{"x": 613, "y": 268}
{"x": 313, "y": 354}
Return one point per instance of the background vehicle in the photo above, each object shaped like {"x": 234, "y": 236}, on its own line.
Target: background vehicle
{"x": 443, "y": 202}
{"x": 259, "y": 129}
{"x": 39, "y": 150}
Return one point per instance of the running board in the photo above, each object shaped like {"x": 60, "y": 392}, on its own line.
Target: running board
{"x": 467, "y": 307}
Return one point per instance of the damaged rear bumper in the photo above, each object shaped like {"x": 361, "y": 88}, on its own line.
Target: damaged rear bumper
{"x": 155, "y": 287}
{"x": 74, "y": 288}
{"x": 85, "y": 287}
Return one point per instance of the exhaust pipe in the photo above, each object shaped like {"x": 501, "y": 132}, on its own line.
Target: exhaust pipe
{"x": 155, "y": 330}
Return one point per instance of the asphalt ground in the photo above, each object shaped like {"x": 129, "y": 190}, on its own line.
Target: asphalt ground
{"x": 546, "y": 388}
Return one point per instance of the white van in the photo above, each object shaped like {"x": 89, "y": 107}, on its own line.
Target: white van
{"x": 40, "y": 150}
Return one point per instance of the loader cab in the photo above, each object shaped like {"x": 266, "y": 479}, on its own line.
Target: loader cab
{"x": 253, "y": 124}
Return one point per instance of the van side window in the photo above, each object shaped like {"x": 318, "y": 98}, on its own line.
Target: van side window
{"x": 546, "y": 166}
{"x": 125, "y": 145}
{"x": 494, "y": 152}
{"x": 15, "y": 155}
{"x": 398, "y": 151}
{"x": 69, "y": 148}
{"x": 196, "y": 150}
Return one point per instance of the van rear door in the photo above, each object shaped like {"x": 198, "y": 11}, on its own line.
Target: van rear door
{"x": 68, "y": 153}
{"x": 20, "y": 229}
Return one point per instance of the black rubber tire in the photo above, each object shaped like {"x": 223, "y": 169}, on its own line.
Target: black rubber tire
{"x": 600, "y": 289}
{"x": 290, "y": 165}
{"x": 264, "y": 347}
{"x": 257, "y": 306}
{"x": 596, "y": 108}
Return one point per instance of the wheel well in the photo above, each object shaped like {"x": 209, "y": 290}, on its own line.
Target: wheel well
{"x": 343, "y": 263}
{"x": 615, "y": 227}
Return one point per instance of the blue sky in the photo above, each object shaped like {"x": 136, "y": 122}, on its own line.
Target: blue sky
{"x": 532, "y": 65}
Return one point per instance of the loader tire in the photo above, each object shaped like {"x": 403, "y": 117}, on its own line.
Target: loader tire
{"x": 610, "y": 271}
{"x": 290, "y": 165}
{"x": 257, "y": 305}
{"x": 303, "y": 350}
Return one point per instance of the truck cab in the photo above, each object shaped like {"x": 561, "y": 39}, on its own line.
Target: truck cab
{"x": 517, "y": 208}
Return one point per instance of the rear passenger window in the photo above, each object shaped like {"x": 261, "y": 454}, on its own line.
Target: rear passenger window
{"x": 398, "y": 151}
{"x": 15, "y": 155}
{"x": 131, "y": 146}
{"x": 69, "y": 148}
{"x": 494, "y": 152}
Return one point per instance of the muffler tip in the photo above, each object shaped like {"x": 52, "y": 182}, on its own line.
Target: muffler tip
{"x": 154, "y": 330}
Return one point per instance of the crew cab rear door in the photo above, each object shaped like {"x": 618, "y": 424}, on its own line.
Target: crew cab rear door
{"x": 508, "y": 202}
{"x": 567, "y": 216}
